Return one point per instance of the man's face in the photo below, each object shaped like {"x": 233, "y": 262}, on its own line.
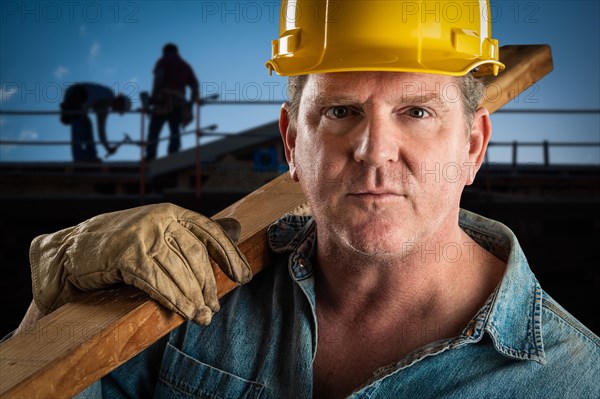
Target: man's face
{"x": 383, "y": 157}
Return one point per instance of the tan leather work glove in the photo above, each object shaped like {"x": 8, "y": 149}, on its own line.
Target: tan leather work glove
{"x": 161, "y": 249}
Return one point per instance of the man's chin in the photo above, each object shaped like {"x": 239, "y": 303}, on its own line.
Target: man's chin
{"x": 376, "y": 243}
{"x": 372, "y": 234}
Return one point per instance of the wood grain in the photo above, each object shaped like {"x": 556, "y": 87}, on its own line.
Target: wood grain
{"x": 66, "y": 351}
{"x": 79, "y": 343}
{"x": 525, "y": 65}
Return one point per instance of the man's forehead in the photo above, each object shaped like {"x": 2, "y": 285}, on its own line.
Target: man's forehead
{"x": 395, "y": 86}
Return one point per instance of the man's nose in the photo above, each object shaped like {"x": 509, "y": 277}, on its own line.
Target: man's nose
{"x": 378, "y": 143}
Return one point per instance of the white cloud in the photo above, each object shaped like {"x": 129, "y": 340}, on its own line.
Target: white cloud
{"x": 6, "y": 94}
{"x": 28, "y": 135}
{"x": 95, "y": 49}
{"x": 24, "y": 135}
{"x": 60, "y": 72}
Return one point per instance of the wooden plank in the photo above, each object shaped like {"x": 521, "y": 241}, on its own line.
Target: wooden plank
{"x": 66, "y": 351}
{"x": 79, "y": 343}
{"x": 84, "y": 340}
{"x": 525, "y": 65}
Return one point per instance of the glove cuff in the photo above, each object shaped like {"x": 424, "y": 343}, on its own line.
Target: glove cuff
{"x": 36, "y": 284}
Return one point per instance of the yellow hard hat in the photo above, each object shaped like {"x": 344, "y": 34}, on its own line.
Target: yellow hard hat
{"x": 442, "y": 37}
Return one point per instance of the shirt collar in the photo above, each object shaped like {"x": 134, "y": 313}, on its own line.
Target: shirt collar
{"x": 287, "y": 233}
{"x": 512, "y": 314}
{"x": 296, "y": 234}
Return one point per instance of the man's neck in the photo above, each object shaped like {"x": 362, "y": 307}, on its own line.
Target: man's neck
{"x": 425, "y": 275}
{"x": 371, "y": 314}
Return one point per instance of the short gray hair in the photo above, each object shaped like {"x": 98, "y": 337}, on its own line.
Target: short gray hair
{"x": 471, "y": 89}
{"x": 294, "y": 90}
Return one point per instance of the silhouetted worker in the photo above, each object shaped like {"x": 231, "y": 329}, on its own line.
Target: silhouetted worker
{"x": 171, "y": 76}
{"x": 78, "y": 99}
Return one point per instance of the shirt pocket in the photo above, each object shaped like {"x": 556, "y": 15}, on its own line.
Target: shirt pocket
{"x": 182, "y": 376}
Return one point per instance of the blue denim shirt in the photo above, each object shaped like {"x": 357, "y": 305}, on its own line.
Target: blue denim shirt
{"x": 262, "y": 343}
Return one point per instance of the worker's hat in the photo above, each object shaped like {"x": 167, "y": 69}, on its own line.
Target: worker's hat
{"x": 442, "y": 37}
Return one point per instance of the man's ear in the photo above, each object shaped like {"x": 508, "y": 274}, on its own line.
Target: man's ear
{"x": 481, "y": 131}
{"x": 288, "y": 135}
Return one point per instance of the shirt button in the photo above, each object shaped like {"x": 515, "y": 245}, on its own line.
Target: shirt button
{"x": 470, "y": 331}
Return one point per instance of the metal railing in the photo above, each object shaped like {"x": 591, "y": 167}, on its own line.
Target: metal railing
{"x": 208, "y": 131}
{"x": 142, "y": 143}
{"x": 545, "y": 145}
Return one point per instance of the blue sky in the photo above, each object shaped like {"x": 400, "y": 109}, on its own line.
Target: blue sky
{"x": 45, "y": 46}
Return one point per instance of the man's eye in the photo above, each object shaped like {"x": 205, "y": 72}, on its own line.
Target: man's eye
{"x": 338, "y": 112}
{"x": 417, "y": 113}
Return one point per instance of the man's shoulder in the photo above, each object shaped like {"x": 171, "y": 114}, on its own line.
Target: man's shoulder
{"x": 571, "y": 350}
{"x": 559, "y": 326}
{"x": 96, "y": 87}
{"x": 99, "y": 97}
{"x": 566, "y": 365}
